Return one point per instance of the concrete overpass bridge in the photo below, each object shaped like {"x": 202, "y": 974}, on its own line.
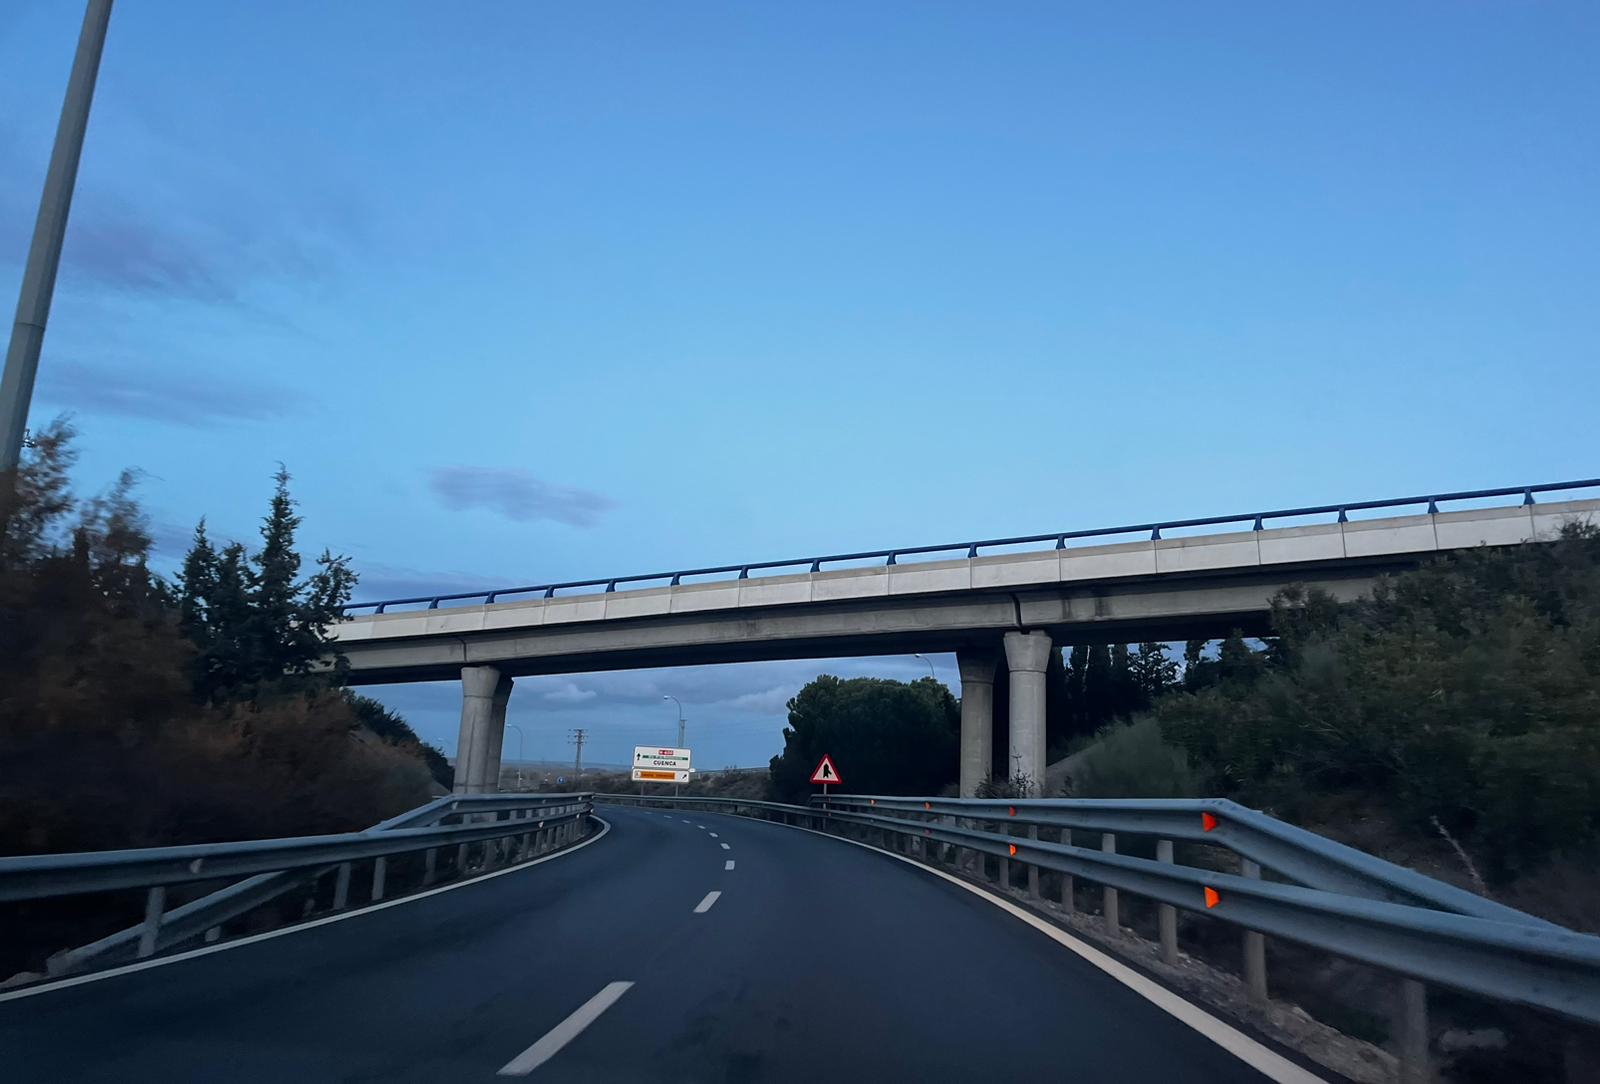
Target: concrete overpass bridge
{"x": 1000, "y": 605}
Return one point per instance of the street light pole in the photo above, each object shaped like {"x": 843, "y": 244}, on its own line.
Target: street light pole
{"x": 44, "y": 253}
{"x": 518, "y": 729}
{"x": 678, "y": 702}
{"x": 924, "y": 658}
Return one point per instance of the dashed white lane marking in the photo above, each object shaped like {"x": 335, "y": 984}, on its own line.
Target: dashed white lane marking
{"x": 728, "y": 864}
{"x": 685, "y": 820}
{"x": 701, "y": 827}
{"x": 705, "y": 905}
{"x": 726, "y": 847}
{"x": 713, "y": 835}
{"x": 343, "y": 916}
{"x": 566, "y": 1031}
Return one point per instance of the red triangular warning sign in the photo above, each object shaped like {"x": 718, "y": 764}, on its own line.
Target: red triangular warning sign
{"x": 826, "y": 772}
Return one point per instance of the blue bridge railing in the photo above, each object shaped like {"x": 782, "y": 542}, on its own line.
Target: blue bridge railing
{"x": 1060, "y": 538}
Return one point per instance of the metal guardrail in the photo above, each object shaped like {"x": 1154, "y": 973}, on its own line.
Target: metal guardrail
{"x": 1347, "y": 903}
{"x": 1257, "y": 520}
{"x": 1299, "y": 855}
{"x": 271, "y": 867}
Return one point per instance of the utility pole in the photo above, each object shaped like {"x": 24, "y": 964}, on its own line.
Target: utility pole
{"x": 579, "y": 736}
{"x": 44, "y": 253}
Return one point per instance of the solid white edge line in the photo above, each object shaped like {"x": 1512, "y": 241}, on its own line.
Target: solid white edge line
{"x": 550, "y": 1044}
{"x": 1258, "y": 1056}
{"x": 728, "y": 864}
{"x": 705, "y": 905}
{"x": 162, "y": 961}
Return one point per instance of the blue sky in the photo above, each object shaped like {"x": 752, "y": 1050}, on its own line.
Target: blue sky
{"x": 524, "y": 292}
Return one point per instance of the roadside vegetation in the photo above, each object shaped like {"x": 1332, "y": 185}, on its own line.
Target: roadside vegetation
{"x": 136, "y": 711}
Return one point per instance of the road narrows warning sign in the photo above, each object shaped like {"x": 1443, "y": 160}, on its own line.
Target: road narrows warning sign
{"x": 826, "y": 772}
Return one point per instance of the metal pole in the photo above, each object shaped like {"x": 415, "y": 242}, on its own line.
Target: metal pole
{"x": 1108, "y": 896}
{"x": 44, "y": 253}
{"x": 678, "y": 702}
{"x": 1167, "y": 915}
{"x": 1255, "y": 947}
{"x": 924, "y": 658}
{"x": 518, "y": 729}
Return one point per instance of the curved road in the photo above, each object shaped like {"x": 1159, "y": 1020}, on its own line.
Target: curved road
{"x": 818, "y": 960}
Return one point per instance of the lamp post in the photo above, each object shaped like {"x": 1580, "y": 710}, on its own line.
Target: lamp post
{"x": 44, "y": 253}
{"x": 924, "y": 658}
{"x": 518, "y": 729}
{"x": 678, "y": 702}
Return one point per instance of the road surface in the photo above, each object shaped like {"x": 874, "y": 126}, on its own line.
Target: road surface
{"x": 814, "y": 960}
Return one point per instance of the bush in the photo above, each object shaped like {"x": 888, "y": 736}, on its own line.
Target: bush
{"x": 1467, "y": 691}
{"x": 1132, "y": 760}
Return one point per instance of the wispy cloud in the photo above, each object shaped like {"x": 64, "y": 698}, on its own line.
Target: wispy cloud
{"x": 380, "y": 581}
{"x": 569, "y": 693}
{"x": 138, "y": 390}
{"x": 517, "y": 494}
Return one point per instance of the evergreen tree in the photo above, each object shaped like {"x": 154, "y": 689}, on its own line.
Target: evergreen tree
{"x": 197, "y": 582}
{"x": 1098, "y": 693}
{"x": 1153, "y": 672}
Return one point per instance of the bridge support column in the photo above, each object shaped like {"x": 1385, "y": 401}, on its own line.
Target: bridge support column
{"x": 1027, "y": 657}
{"x": 485, "y": 694}
{"x": 977, "y": 719}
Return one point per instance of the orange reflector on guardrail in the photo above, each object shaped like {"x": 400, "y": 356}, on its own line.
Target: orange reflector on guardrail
{"x": 1013, "y": 810}
{"x": 1013, "y": 850}
{"x": 927, "y": 806}
{"x": 1207, "y": 821}
{"x": 1212, "y": 897}
{"x": 872, "y": 801}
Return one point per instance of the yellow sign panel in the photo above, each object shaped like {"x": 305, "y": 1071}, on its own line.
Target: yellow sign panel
{"x": 665, "y": 777}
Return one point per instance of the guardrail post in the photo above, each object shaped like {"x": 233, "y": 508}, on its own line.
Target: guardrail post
{"x": 430, "y": 865}
{"x": 155, "y": 902}
{"x": 1411, "y": 1025}
{"x": 1005, "y": 863}
{"x": 1069, "y": 898}
{"x": 1255, "y": 947}
{"x": 341, "y": 887}
{"x": 461, "y": 859}
{"x": 1033, "y": 870}
{"x": 380, "y": 872}
{"x": 1166, "y": 914}
{"x": 1108, "y": 895}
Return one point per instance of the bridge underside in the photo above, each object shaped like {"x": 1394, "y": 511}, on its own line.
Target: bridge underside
{"x": 1178, "y": 608}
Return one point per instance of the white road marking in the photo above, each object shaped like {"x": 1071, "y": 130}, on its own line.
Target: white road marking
{"x": 566, "y": 1031}
{"x": 163, "y": 961}
{"x": 726, "y": 847}
{"x": 728, "y": 864}
{"x": 713, "y": 835}
{"x": 685, "y": 820}
{"x": 705, "y": 905}
{"x": 1268, "y": 1063}
{"x": 701, "y": 827}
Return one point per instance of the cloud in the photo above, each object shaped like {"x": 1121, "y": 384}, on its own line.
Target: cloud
{"x": 568, "y": 693}
{"x": 516, "y": 494}
{"x": 381, "y": 581}
{"x": 176, "y": 221}
{"x": 767, "y": 702}
{"x": 136, "y": 390}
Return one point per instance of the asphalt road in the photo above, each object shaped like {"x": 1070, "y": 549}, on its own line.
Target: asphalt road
{"x": 819, "y": 960}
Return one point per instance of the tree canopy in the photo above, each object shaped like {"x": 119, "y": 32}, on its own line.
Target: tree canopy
{"x": 885, "y": 737}
{"x": 1463, "y": 696}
